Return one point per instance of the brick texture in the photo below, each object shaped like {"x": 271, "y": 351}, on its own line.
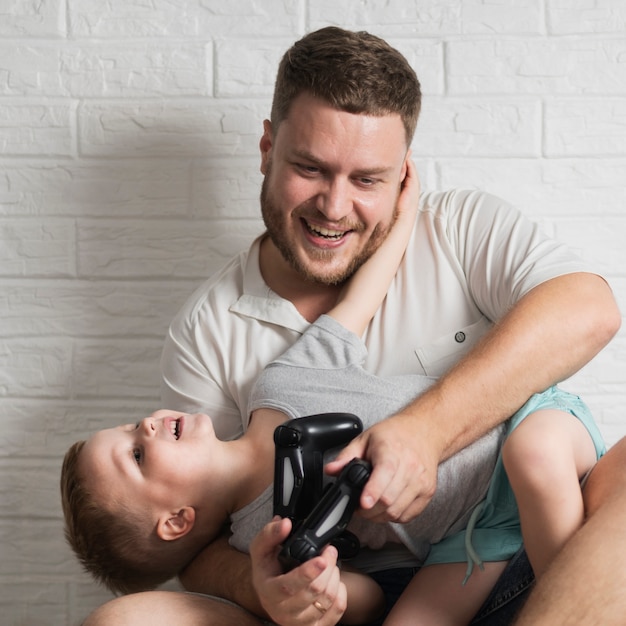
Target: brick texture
{"x": 129, "y": 172}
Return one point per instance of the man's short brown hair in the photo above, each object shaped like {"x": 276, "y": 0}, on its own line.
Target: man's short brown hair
{"x": 354, "y": 72}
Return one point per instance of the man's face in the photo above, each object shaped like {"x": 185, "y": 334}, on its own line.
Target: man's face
{"x": 150, "y": 465}
{"x": 331, "y": 185}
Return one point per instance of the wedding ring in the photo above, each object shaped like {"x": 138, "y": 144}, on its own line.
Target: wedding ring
{"x": 318, "y": 605}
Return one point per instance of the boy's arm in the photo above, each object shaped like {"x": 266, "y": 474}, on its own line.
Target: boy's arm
{"x": 365, "y": 291}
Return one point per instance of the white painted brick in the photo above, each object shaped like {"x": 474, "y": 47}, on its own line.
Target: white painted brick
{"x": 566, "y": 17}
{"x": 538, "y": 66}
{"x": 39, "y": 369}
{"x": 162, "y": 18}
{"x": 32, "y": 428}
{"x": 600, "y": 241}
{"x": 585, "y": 127}
{"x": 88, "y": 308}
{"x": 403, "y": 17}
{"x": 131, "y": 187}
{"x": 248, "y": 68}
{"x": 477, "y": 128}
{"x": 228, "y": 187}
{"x": 117, "y": 368}
{"x": 170, "y": 128}
{"x": 32, "y": 248}
{"x": 32, "y": 19}
{"x": 160, "y": 248}
{"x": 142, "y": 69}
{"x": 28, "y": 69}
{"x": 27, "y": 604}
{"x": 29, "y": 489}
{"x": 426, "y": 58}
{"x": 34, "y": 546}
{"x": 35, "y": 128}
{"x": 544, "y": 187}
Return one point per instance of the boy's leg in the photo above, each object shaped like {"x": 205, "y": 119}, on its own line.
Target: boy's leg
{"x": 545, "y": 457}
{"x": 437, "y": 597}
{"x": 585, "y": 583}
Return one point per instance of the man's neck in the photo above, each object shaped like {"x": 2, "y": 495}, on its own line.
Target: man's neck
{"x": 310, "y": 299}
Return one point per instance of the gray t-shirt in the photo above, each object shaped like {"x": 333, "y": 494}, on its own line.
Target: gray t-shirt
{"x": 322, "y": 372}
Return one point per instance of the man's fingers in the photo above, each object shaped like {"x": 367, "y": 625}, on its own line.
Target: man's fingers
{"x": 355, "y": 449}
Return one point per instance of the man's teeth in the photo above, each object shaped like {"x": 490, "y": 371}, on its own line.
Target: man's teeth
{"x": 174, "y": 428}
{"x": 324, "y": 232}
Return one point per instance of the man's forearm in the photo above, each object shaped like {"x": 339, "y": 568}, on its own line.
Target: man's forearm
{"x": 222, "y": 571}
{"x": 550, "y": 334}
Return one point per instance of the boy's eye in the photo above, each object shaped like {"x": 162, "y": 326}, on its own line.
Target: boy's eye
{"x": 137, "y": 455}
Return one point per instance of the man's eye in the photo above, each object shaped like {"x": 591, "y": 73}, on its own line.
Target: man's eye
{"x": 137, "y": 455}
{"x": 309, "y": 169}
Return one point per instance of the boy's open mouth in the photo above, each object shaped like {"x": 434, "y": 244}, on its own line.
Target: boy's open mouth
{"x": 176, "y": 428}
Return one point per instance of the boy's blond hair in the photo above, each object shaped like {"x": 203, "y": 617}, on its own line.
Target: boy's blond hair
{"x": 119, "y": 548}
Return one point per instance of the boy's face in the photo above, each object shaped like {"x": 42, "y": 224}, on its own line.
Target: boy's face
{"x": 331, "y": 186}
{"x": 153, "y": 464}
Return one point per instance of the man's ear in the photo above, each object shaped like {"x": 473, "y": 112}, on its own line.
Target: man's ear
{"x": 265, "y": 145}
{"x": 176, "y": 525}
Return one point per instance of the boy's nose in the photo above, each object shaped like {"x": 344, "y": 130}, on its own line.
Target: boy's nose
{"x": 148, "y": 426}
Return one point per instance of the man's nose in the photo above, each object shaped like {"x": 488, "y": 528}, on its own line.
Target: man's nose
{"x": 335, "y": 201}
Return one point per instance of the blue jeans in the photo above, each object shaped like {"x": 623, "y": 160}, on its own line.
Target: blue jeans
{"x": 500, "y": 608}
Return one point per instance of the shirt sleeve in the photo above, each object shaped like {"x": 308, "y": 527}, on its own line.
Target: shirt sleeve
{"x": 502, "y": 253}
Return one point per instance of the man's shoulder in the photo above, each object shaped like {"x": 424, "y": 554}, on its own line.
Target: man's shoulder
{"x": 450, "y": 201}
{"x": 216, "y": 294}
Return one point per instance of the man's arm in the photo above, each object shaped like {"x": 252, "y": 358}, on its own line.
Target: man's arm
{"x": 547, "y": 336}
{"x": 163, "y": 608}
{"x": 222, "y": 571}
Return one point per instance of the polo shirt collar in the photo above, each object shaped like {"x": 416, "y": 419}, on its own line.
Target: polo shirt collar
{"x": 259, "y": 302}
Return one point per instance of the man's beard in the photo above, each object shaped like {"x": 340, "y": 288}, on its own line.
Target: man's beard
{"x": 275, "y": 224}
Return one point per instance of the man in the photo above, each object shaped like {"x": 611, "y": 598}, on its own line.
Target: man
{"x": 482, "y": 300}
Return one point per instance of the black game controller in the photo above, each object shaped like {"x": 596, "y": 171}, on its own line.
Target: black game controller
{"x": 300, "y": 445}
{"x": 328, "y": 520}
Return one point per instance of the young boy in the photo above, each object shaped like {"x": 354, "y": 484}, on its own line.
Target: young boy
{"x": 141, "y": 500}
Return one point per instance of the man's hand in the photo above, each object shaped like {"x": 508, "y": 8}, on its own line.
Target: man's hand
{"x": 404, "y": 476}
{"x": 309, "y": 595}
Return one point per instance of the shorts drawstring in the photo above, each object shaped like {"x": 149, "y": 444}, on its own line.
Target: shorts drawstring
{"x": 473, "y": 557}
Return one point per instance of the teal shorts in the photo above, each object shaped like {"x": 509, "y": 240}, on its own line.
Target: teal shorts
{"x": 494, "y": 533}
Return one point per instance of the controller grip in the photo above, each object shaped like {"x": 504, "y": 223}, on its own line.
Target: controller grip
{"x": 328, "y": 520}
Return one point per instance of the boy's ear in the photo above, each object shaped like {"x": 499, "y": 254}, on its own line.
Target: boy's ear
{"x": 176, "y": 525}
{"x": 265, "y": 145}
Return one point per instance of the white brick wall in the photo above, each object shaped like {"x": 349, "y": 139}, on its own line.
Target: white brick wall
{"x": 129, "y": 172}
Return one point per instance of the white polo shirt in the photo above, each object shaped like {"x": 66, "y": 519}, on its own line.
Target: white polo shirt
{"x": 471, "y": 257}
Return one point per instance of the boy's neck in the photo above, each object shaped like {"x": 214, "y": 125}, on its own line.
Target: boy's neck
{"x": 252, "y": 455}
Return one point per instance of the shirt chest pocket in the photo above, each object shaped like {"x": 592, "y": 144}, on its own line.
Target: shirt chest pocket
{"x": 438, "y": 357}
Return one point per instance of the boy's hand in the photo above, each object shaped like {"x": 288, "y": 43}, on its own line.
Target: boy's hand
{"x": 410, "y": 190}
{"x": 309, "y": 595}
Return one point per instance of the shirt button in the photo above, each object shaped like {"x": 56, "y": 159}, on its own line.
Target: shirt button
{"x": 459, "y": 337}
